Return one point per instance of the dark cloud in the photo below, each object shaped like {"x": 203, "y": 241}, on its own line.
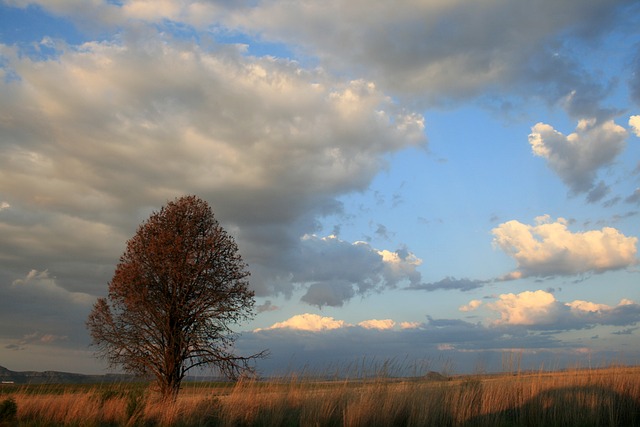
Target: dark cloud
{"x": 437, "y": 344}
{"x": 634, "y": 81}
{"x": 598, "y": 192}
{"x": 266, "y": 306}
{"x": 332, "y": 293}
{"x": 382, "y": 232}
{"x": 627, "y": 331}
{"x": 337, "y": 270}
{"x": 634, "y": 198}
{"x": 434, "y": 53}
{"x": 449, "y": 283}
{"x": 577, "y": 158}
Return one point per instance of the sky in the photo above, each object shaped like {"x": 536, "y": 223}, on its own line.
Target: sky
{"x": 442, "y": 184}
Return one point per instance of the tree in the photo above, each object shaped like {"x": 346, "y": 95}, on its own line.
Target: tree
{"x": 177, "y": 289}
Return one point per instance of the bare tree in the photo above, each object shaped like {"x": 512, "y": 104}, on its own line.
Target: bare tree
{"x": 178, "y": 288}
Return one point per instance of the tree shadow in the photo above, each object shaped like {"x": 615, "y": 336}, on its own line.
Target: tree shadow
{"x": 568, "y": 406}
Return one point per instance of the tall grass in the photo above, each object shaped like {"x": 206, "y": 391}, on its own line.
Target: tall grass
{"x": 598, "y": 397}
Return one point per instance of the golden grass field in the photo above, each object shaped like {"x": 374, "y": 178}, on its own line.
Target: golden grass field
{"x": 580, "y": 397}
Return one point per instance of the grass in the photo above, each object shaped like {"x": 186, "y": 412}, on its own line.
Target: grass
{"x": 580, "y": 397}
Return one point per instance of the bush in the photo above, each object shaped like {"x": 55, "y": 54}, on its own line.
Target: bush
{"x": 8, "y": 410}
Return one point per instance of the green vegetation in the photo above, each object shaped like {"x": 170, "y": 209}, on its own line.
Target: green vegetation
{"x": 585, "y": 397}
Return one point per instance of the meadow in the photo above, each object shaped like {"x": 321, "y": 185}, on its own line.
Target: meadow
{"x": 578, "y": 397}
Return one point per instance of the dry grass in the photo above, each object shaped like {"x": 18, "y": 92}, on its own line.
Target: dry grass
{"x": 602, "y": 397}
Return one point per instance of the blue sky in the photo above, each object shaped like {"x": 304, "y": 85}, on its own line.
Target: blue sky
{"x": 431, "y": 181}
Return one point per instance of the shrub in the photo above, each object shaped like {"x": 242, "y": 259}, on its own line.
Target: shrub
{"x": 8, "y": 410}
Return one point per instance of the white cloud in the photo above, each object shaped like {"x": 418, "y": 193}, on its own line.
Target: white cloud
{"x": 309, "y": 322}
{"x": 4, "y": 205}
{"x": 540, "y": 310}
{"x": 579, "y": 305}
{"x": 526, "y": 308}
{"x": 152, "y": 10}
{"x": 634, "y": 122}
{"x": 410, "y": 325}
{"x": 317, "y": 323}
{"x": 576, "y": 158}
{"x": 472, "y": 305}
{"x": 549, "y": 248}
{"x": 377, "y": 324}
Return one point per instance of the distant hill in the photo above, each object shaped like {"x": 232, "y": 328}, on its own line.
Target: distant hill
{"x": 55, "y": 377}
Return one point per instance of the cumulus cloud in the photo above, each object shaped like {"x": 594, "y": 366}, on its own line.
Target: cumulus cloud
{"x": 634, "y": 122}
{"x": 316, "y": 323}
{"x": 309, "y": 322}
{"x": 335, "y": 270}
{"x": 449, "y": 283}
{"x": 577, "y": 157}
{"x": 549, "y": 248}
{"x": 377, "y": 324}
{"x": 526, "y": 308}
{"x": 92, "y": 144}
{"x": 540, "y": 310}
{"x": 472, "y": 305}
{"x": 410, "y": 325}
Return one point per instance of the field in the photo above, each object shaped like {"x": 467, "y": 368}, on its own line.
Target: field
{"x": 584, "y": 397}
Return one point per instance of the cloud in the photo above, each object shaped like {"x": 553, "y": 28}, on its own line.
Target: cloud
{"x": 304, "y": 341}
{"x": 449, "y": 283}
{"x": 549, "y": 248}
{"x": 532, "y": 322}
{"x": 634, "y": 122}
{"x": 438, "y": 52}
{"x": 40, "y": 284}
{"x": 472, "y": 305}
{"x": 410, "y": 325}
{"x": 540, "y": 310}
{"x": 271, "y": 145}
{"x": 335, "y": 271}
{"x": 520, "y": 55}
{"x": 316, "y": 323}
{"x": 577, "y": 158}
{"x": 37, "y": 302}
{"x": 266, "y": 306}
{"x": 526, "y": 308}
{"x": 308, "y": 322}
{"x": 634, "y": 198}
{"x": 377, "y": 324}
{"x": 35, "y": 338}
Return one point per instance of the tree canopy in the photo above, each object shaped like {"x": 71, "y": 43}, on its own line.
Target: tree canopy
{"x": 178, "y": 288}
